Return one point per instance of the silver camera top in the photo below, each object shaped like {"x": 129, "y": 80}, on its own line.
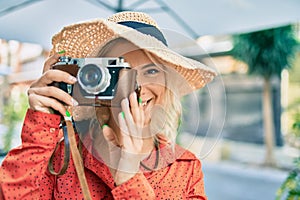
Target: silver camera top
{"x": 103, "y": 61}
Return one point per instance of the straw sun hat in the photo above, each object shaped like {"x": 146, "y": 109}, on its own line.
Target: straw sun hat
{"x": 81, "y": 39}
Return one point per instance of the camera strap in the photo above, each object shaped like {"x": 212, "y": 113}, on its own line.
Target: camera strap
{"x": 66, "y": 154}
{"x": 71, "y": 145}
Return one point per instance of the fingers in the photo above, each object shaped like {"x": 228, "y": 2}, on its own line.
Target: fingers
{"x": 134, "y": 113}
{"x": 123, "y": 127}
{"x": 136, "y": 110}
{"x": 43, "y": 103}
{"x": 53, "y": 92}
{"x": 43, "y": 96}
{"x": 51, "y": 76}
{"x": 126, "y": 116}
{"x": 51, "y": 61}
{"x": 131, "y": 138}
{"x": 133, "y": 118}
{"x": 112, "y": 157}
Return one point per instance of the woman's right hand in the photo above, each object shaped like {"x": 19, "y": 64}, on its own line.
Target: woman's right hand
{"x": 44, "y": 97}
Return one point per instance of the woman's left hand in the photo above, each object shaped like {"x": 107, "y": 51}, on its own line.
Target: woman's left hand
{"x": 126, "y": 152}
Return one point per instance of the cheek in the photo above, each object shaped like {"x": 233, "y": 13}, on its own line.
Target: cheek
{"x": 159, "y": 92}
{"x": 158, "y": 80}
{"x": 149, "y": 82}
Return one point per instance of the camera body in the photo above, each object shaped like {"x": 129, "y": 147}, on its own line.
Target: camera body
{"x": 97, "y": 78}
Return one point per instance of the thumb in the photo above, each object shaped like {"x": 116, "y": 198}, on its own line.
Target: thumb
{"x": 109, "y": 135}
{"x": 111, "y": 157}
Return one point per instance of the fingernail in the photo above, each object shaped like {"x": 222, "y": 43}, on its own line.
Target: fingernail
{"x": 104, "y": 125}
{"x": 134, "y": 95}
{"x": 72, "y": 78}
{"x": 125, "y": 101}
{"x": 68, "y": 114}
{"x": 140, "y": 100}
{"x": 74, "y": 102}
{"x": 62, "y": 52}
{"x": 123, "y": 115}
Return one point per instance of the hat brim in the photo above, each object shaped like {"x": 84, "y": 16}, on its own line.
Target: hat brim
{"x": 82, "y": 39}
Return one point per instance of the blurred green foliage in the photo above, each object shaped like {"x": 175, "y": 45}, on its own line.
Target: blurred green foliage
{"x": 266, "y": 52}
{"x": 294, "y": 108}
{"x": 13, "y": 112}
{"x": 296, "y": 125}
{"x": 294, "y": 75}
{"x": 290, "y": 188}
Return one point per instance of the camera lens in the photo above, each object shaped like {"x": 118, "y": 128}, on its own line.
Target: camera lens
{"x": 93, "y": 78}
{"x": 91, "y": 75}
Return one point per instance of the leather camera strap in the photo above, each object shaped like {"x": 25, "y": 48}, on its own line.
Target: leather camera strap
{"x": 71, "y": 145}
{"x": 77, "y": 159}
{"x": 66, "y": 154}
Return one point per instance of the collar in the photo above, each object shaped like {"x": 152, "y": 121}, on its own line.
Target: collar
{"x": 167, "y": 156}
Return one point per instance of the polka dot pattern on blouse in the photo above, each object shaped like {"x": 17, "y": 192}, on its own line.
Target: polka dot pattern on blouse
{"x": 24, "y": 172}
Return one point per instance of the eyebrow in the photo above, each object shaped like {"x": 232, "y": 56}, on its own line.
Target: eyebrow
{"x": 149, "y": 65}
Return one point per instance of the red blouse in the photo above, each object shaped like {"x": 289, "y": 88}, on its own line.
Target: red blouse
{"x": 24, "y": 172}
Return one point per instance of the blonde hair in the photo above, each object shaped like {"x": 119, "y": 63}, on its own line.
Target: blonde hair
{"x": 172, "y": 109}
{"x": 170, "y": 113}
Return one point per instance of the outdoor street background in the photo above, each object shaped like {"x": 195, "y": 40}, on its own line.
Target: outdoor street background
{"x": 223, "y": 123}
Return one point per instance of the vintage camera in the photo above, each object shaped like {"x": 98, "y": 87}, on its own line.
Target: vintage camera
{"x": 99, "y": 79}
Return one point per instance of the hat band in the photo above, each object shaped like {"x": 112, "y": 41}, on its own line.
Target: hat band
{"x": 146, "y": 29}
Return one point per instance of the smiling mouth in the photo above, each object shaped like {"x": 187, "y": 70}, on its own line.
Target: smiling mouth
{"x": 145, "y": 103}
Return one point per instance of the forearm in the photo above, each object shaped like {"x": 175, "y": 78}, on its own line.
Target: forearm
{"x": 24, "y": 166}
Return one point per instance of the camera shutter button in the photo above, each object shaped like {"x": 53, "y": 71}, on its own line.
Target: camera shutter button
{"x": 65, "y": 59}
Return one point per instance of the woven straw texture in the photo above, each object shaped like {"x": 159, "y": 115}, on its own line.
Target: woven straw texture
{"x": 84, "y": 39}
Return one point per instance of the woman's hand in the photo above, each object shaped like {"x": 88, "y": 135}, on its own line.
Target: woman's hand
{"x": 43, "y": 97}
{"x": 127, "y": 150}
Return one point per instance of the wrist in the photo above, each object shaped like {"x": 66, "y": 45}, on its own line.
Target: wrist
{"x": 129, "y": 164}
{"x": 122, "y": 177}
{"x": 127, "y": 168}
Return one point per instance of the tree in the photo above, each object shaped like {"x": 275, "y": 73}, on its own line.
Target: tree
{"x": 266, "y": 53}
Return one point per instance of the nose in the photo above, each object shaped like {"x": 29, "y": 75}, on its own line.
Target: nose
{"x": 139, "y": 79}
{"x": 142, "y": 91}
{"x": 142, "y": 84}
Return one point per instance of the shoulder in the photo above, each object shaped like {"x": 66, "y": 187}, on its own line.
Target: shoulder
{"x": 177, "y": 154}
{"x": 184, "y": 154}
{"x": 186, "y": 162}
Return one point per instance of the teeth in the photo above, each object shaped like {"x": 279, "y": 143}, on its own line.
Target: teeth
{"x": 145, "y": 103}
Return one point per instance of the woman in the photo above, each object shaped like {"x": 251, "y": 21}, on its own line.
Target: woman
{"x": 129, "y": 151}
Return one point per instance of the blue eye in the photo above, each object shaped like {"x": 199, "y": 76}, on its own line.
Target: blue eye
{"x": 151, "y": 71}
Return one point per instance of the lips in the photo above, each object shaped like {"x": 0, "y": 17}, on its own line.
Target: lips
{"x": 145, "y": 103}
